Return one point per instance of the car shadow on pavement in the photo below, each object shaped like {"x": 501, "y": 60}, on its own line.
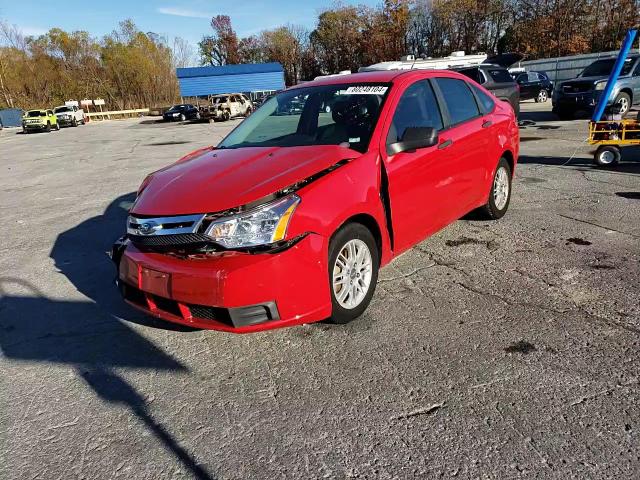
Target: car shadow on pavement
{"x": 81, "y": 255}
{"x": 88, "y": 334}
{"x": 528, "y": 116}
{"x": 630, "y": 163}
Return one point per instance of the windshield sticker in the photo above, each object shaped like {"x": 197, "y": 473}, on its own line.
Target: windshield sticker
{"x": 366, "y": 90}
{"x": 354, "y": 140}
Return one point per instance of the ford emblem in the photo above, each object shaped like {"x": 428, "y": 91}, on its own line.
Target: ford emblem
{"x": 148, "y": 228}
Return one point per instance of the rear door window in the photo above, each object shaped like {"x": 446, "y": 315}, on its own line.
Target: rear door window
{"x": 417, "y": 107}
{"x": 473, "y": 74}
{"x": 460, "y": 102}
{"x": 500, "y": 75}
{"x": 486, "y": 102}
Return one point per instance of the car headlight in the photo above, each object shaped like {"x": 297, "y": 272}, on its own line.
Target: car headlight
{"x": 260, "y": 226}
{"x": 600, "y": 85}
{"x": 175, "y": 114}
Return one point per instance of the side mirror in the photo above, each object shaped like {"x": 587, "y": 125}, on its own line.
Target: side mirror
{"x": 414, "y": 138}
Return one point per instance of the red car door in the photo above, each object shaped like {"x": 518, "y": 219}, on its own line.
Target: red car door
{"x": 421, "y": 182}
{"x": 468, "y": 131}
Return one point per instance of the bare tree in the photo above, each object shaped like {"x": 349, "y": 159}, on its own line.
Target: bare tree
{"x": 182, "y": 53}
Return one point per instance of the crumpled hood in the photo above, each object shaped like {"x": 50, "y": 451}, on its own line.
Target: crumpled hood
{"x": 221, "y": 179}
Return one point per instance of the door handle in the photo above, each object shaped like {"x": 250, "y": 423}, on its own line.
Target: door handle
{"x": 487, "y": 124}
{"x": 445, "y": 144}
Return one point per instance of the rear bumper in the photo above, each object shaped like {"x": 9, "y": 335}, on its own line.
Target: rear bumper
{"x": 231, "y": 291}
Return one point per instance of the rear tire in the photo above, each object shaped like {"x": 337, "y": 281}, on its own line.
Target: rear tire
{"x": 542, "y": 96}
{"x": 607, "y": 156}
{"x": 354, "y": 261}
{"x": 500, "y": 193}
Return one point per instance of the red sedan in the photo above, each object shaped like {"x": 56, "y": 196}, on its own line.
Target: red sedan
{"x": 289, "y": 218}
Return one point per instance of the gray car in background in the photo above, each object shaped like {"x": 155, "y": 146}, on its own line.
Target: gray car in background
{"x": 583, "y": 92}
{"x": 497, "y": 80}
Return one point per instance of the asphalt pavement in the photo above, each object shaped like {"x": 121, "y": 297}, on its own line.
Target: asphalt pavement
{"x": 505, "y": 349}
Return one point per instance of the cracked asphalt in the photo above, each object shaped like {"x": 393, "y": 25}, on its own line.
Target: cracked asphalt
{"x": 504, "y": 349}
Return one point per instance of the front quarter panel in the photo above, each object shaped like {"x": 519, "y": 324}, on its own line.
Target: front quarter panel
{"x": 350, "y": 190}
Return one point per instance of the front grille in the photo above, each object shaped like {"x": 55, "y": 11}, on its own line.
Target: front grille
{"x": 175, "y": 240}
{"x": 166, "y": 304}
{"x": 577, "y": 87}
{"x": 231, "y": 317}
{"x": 205, "y": 312}
{"x": 133, "y": 294}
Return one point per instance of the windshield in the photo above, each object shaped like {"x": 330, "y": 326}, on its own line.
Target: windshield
{"x": 343, "y": 114}
{"x": 177, "y": 108}
{"x": 36, "y": 113}
{"x": 61, "y": 109}
{"x": 602, "y": 68}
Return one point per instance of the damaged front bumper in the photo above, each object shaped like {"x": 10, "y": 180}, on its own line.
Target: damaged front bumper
{"x": 229, "y": 290}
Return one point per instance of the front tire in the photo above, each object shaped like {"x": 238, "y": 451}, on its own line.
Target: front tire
{"x": 607, "y": 156}
{"x": 354, "y": 260}
{"x": 74, "y": 123}
{"x": 47, "y": 128}
{"x": 623, "y": 100}
{"x": 182, "y": 117}
{"x": 57, "y": 127}
{"x": 500, "y": 194}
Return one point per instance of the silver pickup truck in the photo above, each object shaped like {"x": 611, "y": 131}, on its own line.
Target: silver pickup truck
{"x": 583, "y": 93}
{"x": 69, "y": 115}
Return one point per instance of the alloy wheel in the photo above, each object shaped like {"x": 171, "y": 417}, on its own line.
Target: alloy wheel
{"x": 501, "y": 188}
{"x": 352, "y": 273}
{"x": 623, "y": 103}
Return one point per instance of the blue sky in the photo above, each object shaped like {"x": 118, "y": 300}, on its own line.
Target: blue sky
{"x": 188, "y": 19}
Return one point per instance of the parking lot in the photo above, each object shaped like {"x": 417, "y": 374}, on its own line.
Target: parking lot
{"x": 501, "y": 349}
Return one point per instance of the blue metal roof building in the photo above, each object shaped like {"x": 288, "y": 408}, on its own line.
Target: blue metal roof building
{"x": 245, "y": 78}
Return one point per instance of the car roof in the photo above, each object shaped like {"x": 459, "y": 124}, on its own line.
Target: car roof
{"x": 378, "y": 76}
